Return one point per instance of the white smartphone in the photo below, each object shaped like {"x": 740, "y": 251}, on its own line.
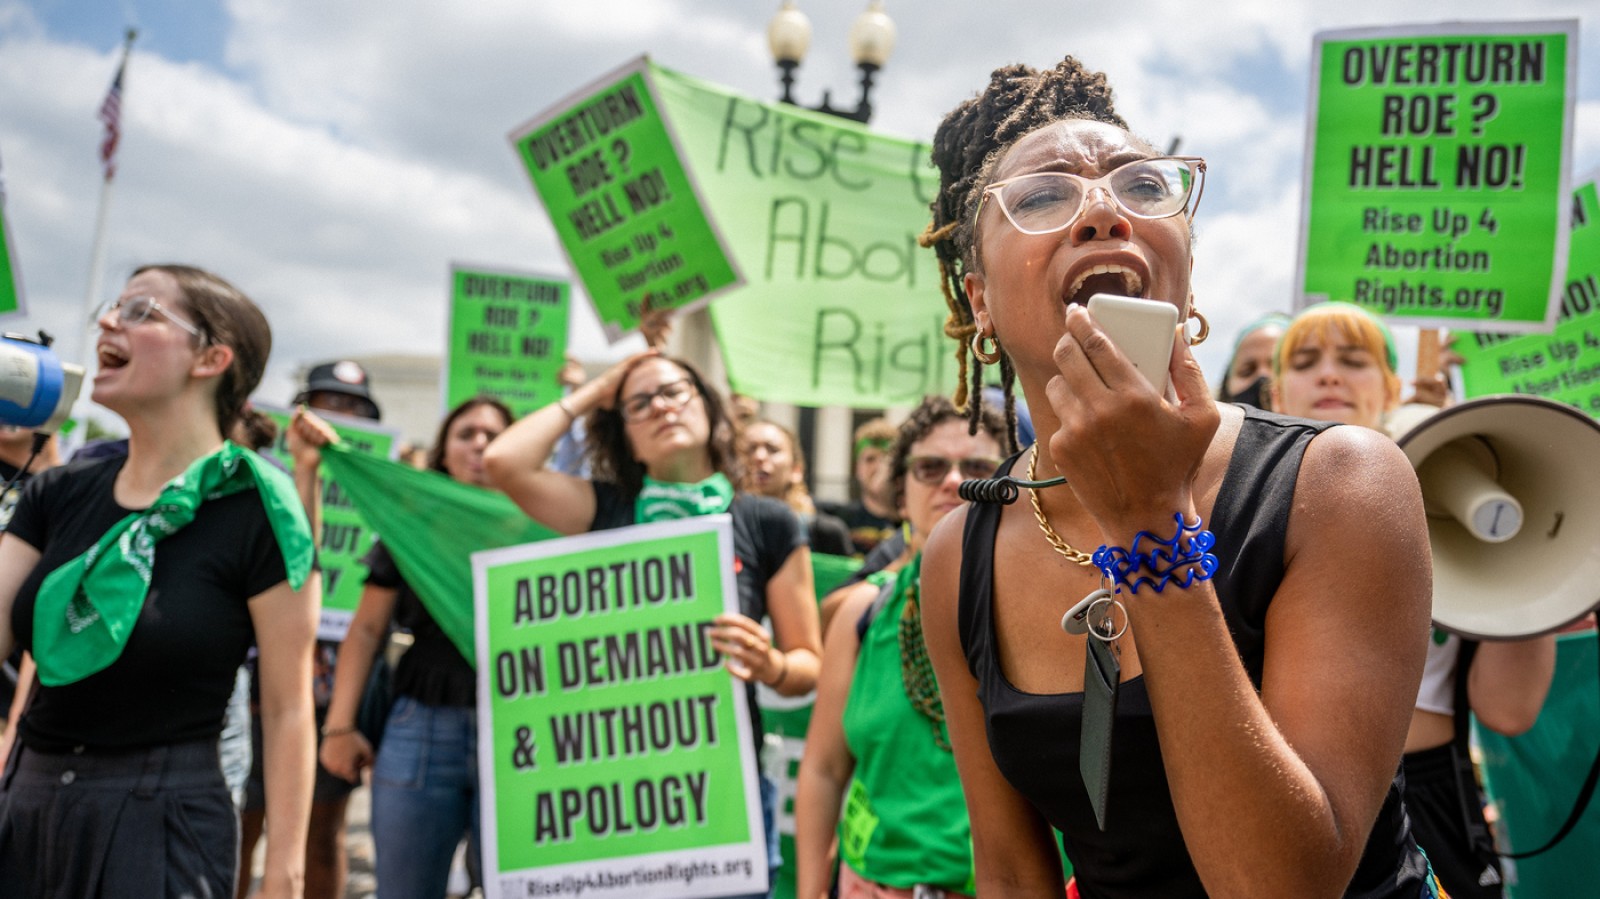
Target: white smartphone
{"x": 1142, "y": 329}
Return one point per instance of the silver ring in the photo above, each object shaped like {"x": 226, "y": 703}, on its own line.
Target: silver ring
{"x": 1095, "y": 624}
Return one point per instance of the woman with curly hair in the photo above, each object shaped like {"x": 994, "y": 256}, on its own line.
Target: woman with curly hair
{"x": 877, "y": 733}
{"x": 1226, "y": 719}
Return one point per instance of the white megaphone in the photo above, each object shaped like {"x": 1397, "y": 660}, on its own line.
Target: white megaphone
{"x": 37, "y": 389}
{"x": 1512, "y": 490}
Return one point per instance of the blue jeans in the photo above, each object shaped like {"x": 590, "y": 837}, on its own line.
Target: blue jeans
{"x": 424, "y": 797}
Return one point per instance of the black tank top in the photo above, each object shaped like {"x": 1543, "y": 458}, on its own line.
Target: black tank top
{"x": 1034, "y": 738}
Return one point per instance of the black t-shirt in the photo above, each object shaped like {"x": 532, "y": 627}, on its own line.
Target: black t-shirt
{"x": 866, "y": 529}
{"x": 432, "y": 671}
{"x": 172, "y": 682}
{"x": 827, "y": 534}
{"x": 765, "y": 532}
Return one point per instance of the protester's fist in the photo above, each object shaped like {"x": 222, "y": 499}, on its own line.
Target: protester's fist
{"x": 308, "y": 434}
{"x": 345, "y": 754}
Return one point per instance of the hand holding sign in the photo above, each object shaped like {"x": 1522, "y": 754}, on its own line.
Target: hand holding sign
{"x": 655, "y": 324}
{"x": 748, "y": 649}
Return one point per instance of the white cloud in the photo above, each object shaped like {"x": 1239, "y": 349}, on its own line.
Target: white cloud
{"x": 349, "y": 151}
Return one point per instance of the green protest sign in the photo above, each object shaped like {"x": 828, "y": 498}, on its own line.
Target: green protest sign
{"x": 1436, "y": 174}
{"x": 1564, "y": 365}
{"x": 617, "y": 749}
{"x": 508, "y": 336}
{"x": 606, "y": 166}
{"x": 345, "y": 537}
{"x": 842, "y": 307}
{"x": 10, "y": 288}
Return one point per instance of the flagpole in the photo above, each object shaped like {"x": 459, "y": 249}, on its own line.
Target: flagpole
{"x": 97, "y": 254}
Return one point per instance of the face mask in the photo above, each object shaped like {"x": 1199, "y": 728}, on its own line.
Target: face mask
{"x": 1255, "y": 394}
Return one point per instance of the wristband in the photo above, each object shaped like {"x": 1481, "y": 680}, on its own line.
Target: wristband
{"x": 1182, "y": 560}
{"x": 338, "y": 731}
{"x": 571, "y": 415}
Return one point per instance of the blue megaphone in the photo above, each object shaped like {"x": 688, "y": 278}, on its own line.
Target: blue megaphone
{"x": 37, "y": 389}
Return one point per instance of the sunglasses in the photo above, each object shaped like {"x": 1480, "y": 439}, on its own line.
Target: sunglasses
{"x": 669, "y": 397}
{"x": 932, "y": 470}
{"x": 132, "y": 311}
{"x": 1046, "y": 202}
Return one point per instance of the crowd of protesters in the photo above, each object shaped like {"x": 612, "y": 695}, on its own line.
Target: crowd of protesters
{"x": 173, "y": 705}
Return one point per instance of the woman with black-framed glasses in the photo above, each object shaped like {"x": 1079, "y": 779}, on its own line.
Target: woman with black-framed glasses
{"x": 661, "y": 447}
{"x": 138, "y": 582}
{"x": 1196, "y": 659}
{"x": 877, "y": 733}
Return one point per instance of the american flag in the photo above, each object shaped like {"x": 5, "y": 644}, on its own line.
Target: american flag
{"x": 111, "y": 114}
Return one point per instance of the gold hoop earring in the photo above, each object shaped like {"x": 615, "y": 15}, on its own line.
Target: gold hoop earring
{"x": 1205, "y": 328}
{"x": 991, "y": 356}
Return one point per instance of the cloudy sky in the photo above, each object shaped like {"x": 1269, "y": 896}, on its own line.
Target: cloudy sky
{"x": 332, "y": 158}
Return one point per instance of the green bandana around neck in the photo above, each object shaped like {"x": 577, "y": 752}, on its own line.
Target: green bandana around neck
{"x": 87, "y": 608}
{"x": 666, "y": 501}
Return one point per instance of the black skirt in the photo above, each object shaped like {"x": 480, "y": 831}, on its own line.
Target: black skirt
{"x": 151, "y": 822}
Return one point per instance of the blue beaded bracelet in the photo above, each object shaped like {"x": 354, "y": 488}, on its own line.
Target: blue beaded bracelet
{"x": 1182, "y": 560}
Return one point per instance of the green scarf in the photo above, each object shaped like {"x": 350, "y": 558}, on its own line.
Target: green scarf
{"x": 665, "y": 501}
{"x": 87, "y": 608}
{"x": 431, "y": 525}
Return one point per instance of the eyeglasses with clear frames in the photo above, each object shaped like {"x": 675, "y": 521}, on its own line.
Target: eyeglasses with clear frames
{"x": 136, "y": 310}
{"x": 932, "y": 470}
{"x": 670, "y": 397}
{"x": 1046, "y": 202}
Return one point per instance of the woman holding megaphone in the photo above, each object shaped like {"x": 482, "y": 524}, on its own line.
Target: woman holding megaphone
{"x": 1337, "y": 363}
{"x": 138, "y": 582}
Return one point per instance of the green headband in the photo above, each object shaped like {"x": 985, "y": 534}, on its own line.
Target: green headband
{"x": 1271, "y": 318}
{"x": 879, "y": 443}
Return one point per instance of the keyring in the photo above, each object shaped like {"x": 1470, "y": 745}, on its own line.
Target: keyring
{"x": 1106, "y": 621}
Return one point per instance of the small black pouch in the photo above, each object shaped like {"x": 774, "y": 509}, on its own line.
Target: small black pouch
{"x": 1102, "y": 677}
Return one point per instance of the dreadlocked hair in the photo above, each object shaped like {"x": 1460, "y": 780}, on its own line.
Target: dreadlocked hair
{"x": 968, "y": 144}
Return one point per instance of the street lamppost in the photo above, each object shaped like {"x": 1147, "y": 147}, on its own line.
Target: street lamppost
{"x": 871, "y": 42}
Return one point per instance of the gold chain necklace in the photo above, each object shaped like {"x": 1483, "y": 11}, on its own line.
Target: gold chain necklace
{"x": 1066, "y": 549}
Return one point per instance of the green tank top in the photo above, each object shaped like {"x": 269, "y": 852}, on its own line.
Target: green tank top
{"x": 904, "y": 819}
